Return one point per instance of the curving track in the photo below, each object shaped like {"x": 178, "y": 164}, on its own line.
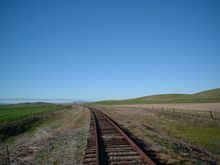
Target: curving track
{"x": 109, "y": 144}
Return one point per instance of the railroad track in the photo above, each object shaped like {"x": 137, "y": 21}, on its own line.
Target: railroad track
{"x": 109, "y": 144}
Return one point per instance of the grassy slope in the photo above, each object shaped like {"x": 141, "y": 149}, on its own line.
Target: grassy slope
{"x": 209, "y": 96}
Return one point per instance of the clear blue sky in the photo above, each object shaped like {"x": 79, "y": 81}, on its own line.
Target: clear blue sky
{"x": 87, "y": 49}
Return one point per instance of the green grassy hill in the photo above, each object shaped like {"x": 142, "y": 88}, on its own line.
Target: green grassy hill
{"x": 209, "y": 96}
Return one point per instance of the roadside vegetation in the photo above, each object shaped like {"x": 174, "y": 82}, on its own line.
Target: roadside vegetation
{"x": 58, "y": 139}
{"x": 177, "y": 136}
{"x": 18, "y": 118}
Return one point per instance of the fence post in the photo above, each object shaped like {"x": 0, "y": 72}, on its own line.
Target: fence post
{"x": 211, "y": 114}
{"x": 8, "y": 154}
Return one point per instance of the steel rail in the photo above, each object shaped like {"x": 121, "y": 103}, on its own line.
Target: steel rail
{"x": 130, "y": 141}
{"x": 105, "y": 126}
{"x": 96, "y": 140}
{"x": 92, "y": 148}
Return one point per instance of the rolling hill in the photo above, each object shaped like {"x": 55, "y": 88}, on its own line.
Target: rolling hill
{"x": 209, "y": 96}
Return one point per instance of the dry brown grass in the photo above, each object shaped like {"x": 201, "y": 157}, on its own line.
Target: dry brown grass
{"x": 180, "y": 106}
{"x": 60, "y": 139}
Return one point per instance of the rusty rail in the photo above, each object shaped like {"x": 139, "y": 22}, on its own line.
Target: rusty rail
{"x": 113, "y": 145}
{"x": 96, "y": 140}
{"x": 92, "y": 152}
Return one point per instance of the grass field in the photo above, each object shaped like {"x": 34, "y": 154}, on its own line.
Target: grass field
{"x": 18, "y": 118}
{"x": 194, "y": 127}
{"x": 210, "y": 96}
{"x": 10, "y": 113}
